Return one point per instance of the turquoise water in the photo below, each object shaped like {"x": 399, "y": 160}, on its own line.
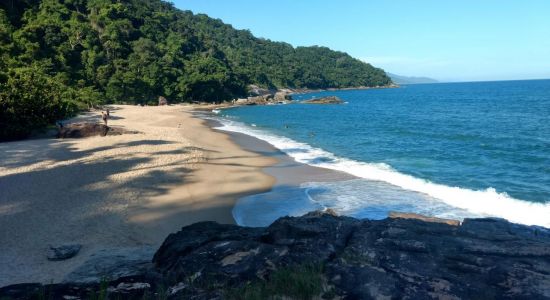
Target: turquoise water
{"x": 479, "y": 149}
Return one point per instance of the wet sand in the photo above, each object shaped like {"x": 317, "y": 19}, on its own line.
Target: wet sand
{"x": 287, "y": 171}
{"x": 287, "y": 196}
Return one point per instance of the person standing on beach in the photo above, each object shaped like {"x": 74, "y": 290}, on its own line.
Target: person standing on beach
{"x": 105, "y": 117}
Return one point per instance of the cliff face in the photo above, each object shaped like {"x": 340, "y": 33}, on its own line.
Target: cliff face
{"x": 325, "y": 255}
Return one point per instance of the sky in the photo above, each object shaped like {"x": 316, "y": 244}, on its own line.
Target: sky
{"x": 466, "y": 40}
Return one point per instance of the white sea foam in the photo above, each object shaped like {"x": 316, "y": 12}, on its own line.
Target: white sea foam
{"x": 486, "y": 202}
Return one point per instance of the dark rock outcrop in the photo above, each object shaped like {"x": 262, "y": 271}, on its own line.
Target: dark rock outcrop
{"x": 172, "y": 258}
{"x": 395, "y": 258}
{"x": 483, "y": 258}
{"x": 324, "y": 100}
{"x": 83, "y": 130}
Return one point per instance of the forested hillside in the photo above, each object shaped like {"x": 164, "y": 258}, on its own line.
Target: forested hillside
{"x": 59, "y": 56}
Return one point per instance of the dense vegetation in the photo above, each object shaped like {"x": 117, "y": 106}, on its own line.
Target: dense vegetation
{"x": 59, "y": 56}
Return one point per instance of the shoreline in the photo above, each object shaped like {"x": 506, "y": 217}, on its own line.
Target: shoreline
{"x": 289, "y": 174}
{"x": 418, "y": 195}
{"x": 297, "y": 172}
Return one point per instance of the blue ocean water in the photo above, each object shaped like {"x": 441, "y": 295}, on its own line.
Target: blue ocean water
{"x": 451, "y": 150}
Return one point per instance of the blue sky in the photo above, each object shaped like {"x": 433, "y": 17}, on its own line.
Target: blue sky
{"x": 462, "y": 40}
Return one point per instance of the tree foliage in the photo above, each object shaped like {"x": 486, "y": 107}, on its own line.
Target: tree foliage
{"x": 88, "y": 52}
{"x": 29, "y": 100}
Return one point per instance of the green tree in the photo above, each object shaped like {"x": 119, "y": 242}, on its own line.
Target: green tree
{"x": 31, "y": 100}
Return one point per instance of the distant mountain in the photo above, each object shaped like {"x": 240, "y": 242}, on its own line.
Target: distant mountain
{"x": 398, "y": 79}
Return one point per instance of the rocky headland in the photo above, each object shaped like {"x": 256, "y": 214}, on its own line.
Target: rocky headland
{"x": 332, "y": 257}
{"x": 263, "y": 96}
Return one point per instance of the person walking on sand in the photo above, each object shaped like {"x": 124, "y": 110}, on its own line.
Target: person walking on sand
{"x": 105, "y": 117}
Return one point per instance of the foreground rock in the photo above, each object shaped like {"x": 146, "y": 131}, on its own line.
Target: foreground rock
{"x": 325, "y": 255}
{"x": 324, "y": 100}
{"x": 83, "y": 130}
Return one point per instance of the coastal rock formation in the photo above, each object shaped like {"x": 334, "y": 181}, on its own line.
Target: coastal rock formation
{"x": 266, "y": 99}
{"x": 324, "y": 100}
{"x": 321, "y": 254}
{"x": 282, "y": 96}
{"x": 83, "y": 130}
{"x": 262, "y": 96}
{"x": 255, "y": 90}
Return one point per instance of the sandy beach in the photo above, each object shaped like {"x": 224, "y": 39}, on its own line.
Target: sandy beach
{"x": 117, "y": 191}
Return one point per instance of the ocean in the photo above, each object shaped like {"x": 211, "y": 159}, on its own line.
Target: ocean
{"x": 451, "y": 150}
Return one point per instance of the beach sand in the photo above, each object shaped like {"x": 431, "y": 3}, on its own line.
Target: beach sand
{"x": 118, "y": 191}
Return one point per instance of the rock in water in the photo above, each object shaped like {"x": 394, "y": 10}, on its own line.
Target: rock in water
{"x": 63, "y": 252}
{"x": 324, "y": 100}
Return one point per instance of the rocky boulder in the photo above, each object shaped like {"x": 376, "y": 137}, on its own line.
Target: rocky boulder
{"x": 483, "y": 258}
{"x": 259, "y": 99}
{"x": 83, "y": 130}
{"x": 171, "y": 258}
